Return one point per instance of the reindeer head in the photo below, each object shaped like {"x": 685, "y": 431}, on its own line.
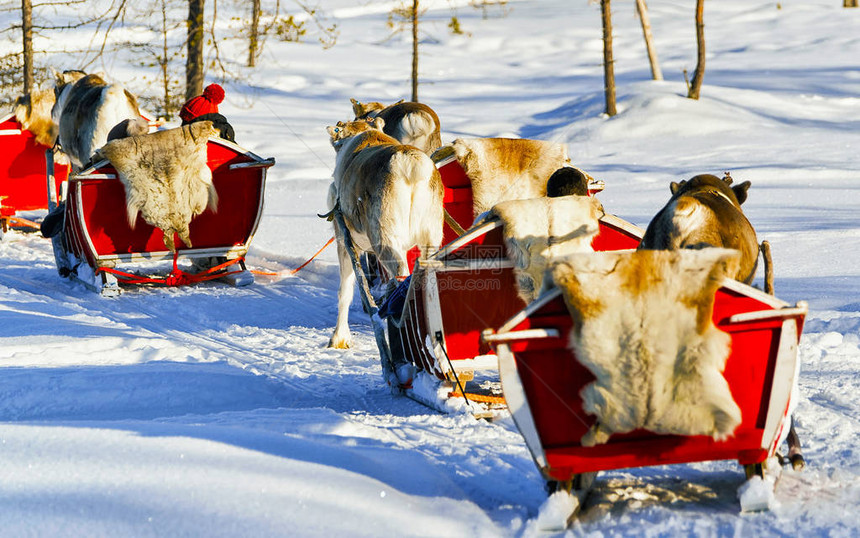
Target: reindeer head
{"x": 705, "y": 182}
{"x": 348, "y": 129}
{"x": 366, "y": 110}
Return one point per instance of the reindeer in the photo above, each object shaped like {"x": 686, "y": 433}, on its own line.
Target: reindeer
{"x": 390, "y": 196}
{"x": 87, "y": 110}
{"x": 705, "y": 211}
{"x": 33, "y": 112}
{"x": 410, "y": 123}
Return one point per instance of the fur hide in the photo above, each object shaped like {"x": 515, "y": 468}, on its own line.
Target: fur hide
{"x": 166, "y": 177}
{"x": 414, "y": 124}
{"x": 390, "y": 196}
{"x": 706, "y": 212}
{"x": 503, "y": 169}
{"x": 33, "y": 112}
{"x": 86, "y": 111}
{"x": 539, "y": 230}
{"x": 642, "y": 326}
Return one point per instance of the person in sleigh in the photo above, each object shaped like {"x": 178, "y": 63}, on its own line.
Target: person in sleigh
{"x": 204, "y": 107}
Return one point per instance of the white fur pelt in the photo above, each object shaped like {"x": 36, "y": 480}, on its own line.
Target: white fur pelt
{"x": 503, "y": 169}
{"x": 390, "y": 196}
{"x": 86, "y": 110}
{"x": 642, "y": 326}
{"x": 538, "y": 230}
{"x": 166, "y": 177}
{"x": 33, "y": 112}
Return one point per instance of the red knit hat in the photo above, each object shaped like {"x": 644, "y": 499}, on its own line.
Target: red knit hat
{"x": 207, "y": 103}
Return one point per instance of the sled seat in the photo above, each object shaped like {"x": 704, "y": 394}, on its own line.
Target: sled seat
{"x": 22, "y": 171}
{"x": 542, "y": 381}
{"x": 97, "y": 233}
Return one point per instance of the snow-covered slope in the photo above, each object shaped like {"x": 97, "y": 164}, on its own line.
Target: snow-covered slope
{"x": 213, "y": 411}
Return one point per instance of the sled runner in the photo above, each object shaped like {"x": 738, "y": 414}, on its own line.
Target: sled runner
{"x": 22, "y": 172}
{"x": 543, "y": 382}
{"x": 97, "y": 239}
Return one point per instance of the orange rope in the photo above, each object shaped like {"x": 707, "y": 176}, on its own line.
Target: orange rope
{"x": 177, "y": 277}
{"x": 299, "y": 268}
{"x": 302, "y": 266}
{"x": 483, "y": 398}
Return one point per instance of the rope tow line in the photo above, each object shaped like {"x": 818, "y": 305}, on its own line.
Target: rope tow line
{"x": 177, "y": 277}
{"x": 299, "y": 268}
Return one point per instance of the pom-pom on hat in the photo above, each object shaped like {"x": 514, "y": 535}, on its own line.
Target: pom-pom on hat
{"x": 214, "y": 93}
{"x": 207, "y": 103}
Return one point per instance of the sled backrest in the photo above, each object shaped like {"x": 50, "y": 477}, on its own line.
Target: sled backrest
{"x": 23, "y": 184}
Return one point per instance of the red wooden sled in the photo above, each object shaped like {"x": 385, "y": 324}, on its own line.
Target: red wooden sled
{"x": 464, "y": 288}
{"x": 542, "y": 380}
{"x": 22, "y": 171}
{"x": 96, "y": 233}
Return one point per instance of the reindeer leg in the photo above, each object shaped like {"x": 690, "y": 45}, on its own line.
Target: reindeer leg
{"x": 795, "y": 455}
{"x": 341, "y": 339}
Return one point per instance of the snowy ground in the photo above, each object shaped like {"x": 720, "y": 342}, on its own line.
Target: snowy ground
{"x": 213, "y": 411}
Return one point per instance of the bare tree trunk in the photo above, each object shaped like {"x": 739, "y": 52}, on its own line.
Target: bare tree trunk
{"x": 699, "y": 73}
{"x": 194, "y": 62}
{"x": 253, "y": 33}
{"x": 27, "y": 29}
{"x": 415, "y": 50}
{"x": 642, "y": 9}
{"x": 608, "y": 62}
{"x": 165, "y": 62}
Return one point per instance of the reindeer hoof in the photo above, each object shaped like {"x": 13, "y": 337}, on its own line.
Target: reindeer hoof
{"x": 797, "y": 462}
{"x": 340, "y": 342}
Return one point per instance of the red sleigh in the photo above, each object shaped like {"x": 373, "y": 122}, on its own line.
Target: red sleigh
{"x": 22, "y": 172}
{"x": 97, "y": 240}
{"x": 542, "y": 381}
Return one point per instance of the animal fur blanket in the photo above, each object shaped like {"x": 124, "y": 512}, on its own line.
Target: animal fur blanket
{"x": 642, "y": 326}
{"x": 507, "y": 168}
{"x": 166, "y": 177}
{"x": 541, "y": 229}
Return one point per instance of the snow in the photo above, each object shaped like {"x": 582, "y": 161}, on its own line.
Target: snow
{"x": 218, "y": 411}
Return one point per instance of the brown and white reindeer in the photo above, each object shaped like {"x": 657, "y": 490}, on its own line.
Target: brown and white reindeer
{"x": 87, "y": 110}
{"x": 705, "y": 211}
{"x": 415, "y": 124}
{"x": 33, "y": 112}
{"x": 390, "y": 196}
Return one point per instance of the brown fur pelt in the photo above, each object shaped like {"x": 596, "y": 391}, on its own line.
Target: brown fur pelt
{"x": 33, "y": 112}
{"x": 166, "y": 177}
{"x": 642, "y": 326}
{"x": 503, "y": 169}
{"x": 415, "y": 124}
{"x": 705, "y": 211}
{"x": 539, "y": 230}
